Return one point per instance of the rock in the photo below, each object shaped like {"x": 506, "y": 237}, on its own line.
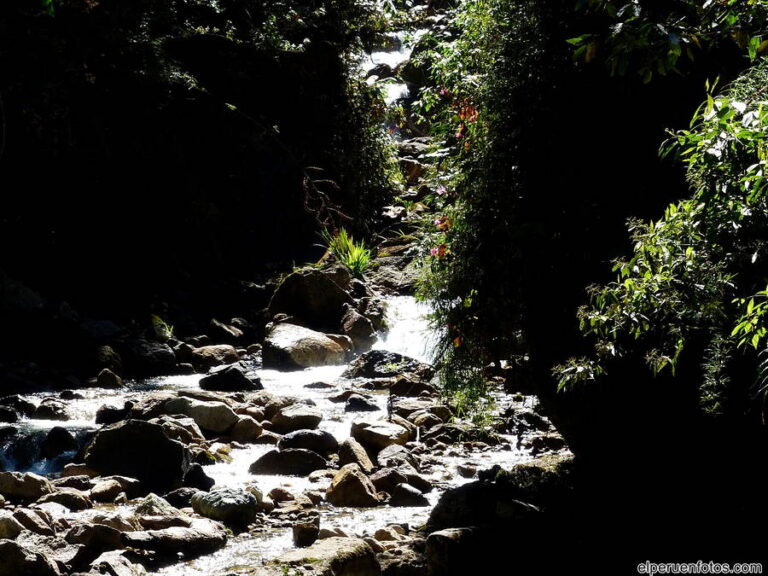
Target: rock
{"x": 201, "y": 537}
{"x": 358, "y": 403}
{"x": 53, "y": 548}
{"x": 316, "y": 440}
{"x": 407, "y": 495}
{"x": 425, "y": 420}
{"x": 70, "y": 498}
{"x": 233, "y": 506}
{"x": 230, "y": 378}
{"x": 296, "y": 417}
{"x": 181, "y": 497}
{"x": 295, "y": 347}
{"x": 143, "y": 358}
{"x": 387, "y": 479}
{"x": 388, "y": 534}
{"x": 107, "y": 357}
{"x": 197, "y": 478}
{"x": 111, "y": 414}
{"x": 246, "y": 430}
{"x": 467, "y": 470}
{"x": 131, "y": 486}
{"x": 378, "y": 434}
{"x": 8, "y": 415}
{"x": 306, "y": 531}
{"x": 118, "y": 520}
{"x": 154, "y": 505}
{"x": 313, "y": 296}
{"x": 396, "y": 456}
{"x": 335, "y": 557}
{"x": 10, "y": 527}
{"x": 358, "y": 328}
{"x": 205, "y": 357}
{"x": 352, "y": 452}
{"x": 290, "y": 462}
{"x": 96, "y": 538}
{"x": 20, "y": 561}
{"x": 381, "y": 364}
{"x": 51, "y": 409}
{"x": 185, "y": 430}
{"x": 350, "y": 487}
{"x": 24, "y": 486}
{"x": 114, "y": 563}
{"x": 139, "y": 450}
{"x": 108, "y": 379}
{"x": 57, "y": 441}
{"x": 214, "y": 417}
{"x": 72, "y": 470}
{"x": 225, "y": 332}
{"x": 34, "y": 521}
{"x": 106, "y": 491}
{"x": 448, "y": 551}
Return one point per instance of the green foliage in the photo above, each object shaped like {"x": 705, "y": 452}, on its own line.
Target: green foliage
{"x": 162, "y": 329}
{"x": 694, "y": 275}
{"x": 354, "y": 255}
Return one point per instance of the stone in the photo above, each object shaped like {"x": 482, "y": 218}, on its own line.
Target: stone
{"x": 185, "y": 430}
{"x": 230, "y": 378}
{"x": 234, "y": 506}
{"x": 407, "y": 495}
{"x": 115, "y": 563}
{"x": 316, "y": 440}
{"x": 120, "y": 521}
{"x": 382, "y": 364}
{"x": 296, "y": 417}
{"x": 289, "y": 346}
{"x": 467, "y": 470}
{"x": 425, "y": 420}
{"x": 20, "y": 561}
{"x": 448, "y": 551}
{"x": 306, "y": 531}
{"x": 378, "y": 434}
{"x": 352, "y": 452}
{"x": 96, "y": 538}
{"x": 108, "y": 379}
{"x": 387, "y": 479}
{"x": 313, "y": 296}
{"x": 111, "y": 414}
{"x": 154, "y": 505}
{"x": 72, "y": 470}
{"x": 290, "y": 462}
{"x": 201, "y": 537}
{"x": 24, "y": 486}
{"x": 107, "y": 357}
{"x": 181, "y": 497}
{"x": 57, "y": 441}
{"x": 214, "y": 416}
{"x": 144, "y": 358}
{"x": 246, "y": 430}
{"x": 358, "y": 403}
{"x": 225, "y": 332}
{"x": 8, "y": 415}
{"x": 350, "y": 487}
{"x": 51, "y": 409}
{"x": 388, "y": 534}
{"x": 70, "y": 498}
{"x": 10, "y": 527}
{"x": 396, "y": 456}
{"x": 33, "y": 520}
{"x": 205, "y": 357}
{"x": 335, "y": 557}
{"x": 139, "y": 450}
{"x": 359, "y": 329}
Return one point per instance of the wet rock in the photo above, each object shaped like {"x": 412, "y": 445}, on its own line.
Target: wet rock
{"x": 106, "y": 491}
{"x": 24, "y": 486}
{"x": 8, "y": 415}
{"x": 233, "y": 506}
{"x": 51, "y": 409}
{"x": 359, "y": 329}
{"x": 358, "y": 403}
{"x": 197, "y": 478}
{"x": 111, "y": 414}
{"x": 290, "y": 462}
{"x": 387, "y": 479}
{"x": 201, "y": 537}
{"x": 350, "y": 487}
{"x": 214, "y": 417}
{"x": 448, "y": 551}
{"x": 139, "y": 450}
{"x": 108, "y": 379}
{"x": 230, "y": 378}
{"x": 381, "y": 364}
{"x": 410, "y": 387}
{"x": 54, "y": 549}
{"x": 335, "y": 557}
{"x": 396, "y": 456}
{"x": 10, "y": 527}
{"x": 57, "y": 441}
{"x": 225, "y": 332}
{"x": 19, "y": 560}
{"x": 296, "y": 417}
{"x": 115, "y": 563}
{"x": 154, "y": 505}
{"x": 246, "y": 430}
{"x": 467, "y": 470}
{"x": 407, "y": 495}
{"x": 313, "y": 296}
{"x": 144, "y": 358}
{"x": 294, "y": 347}
{"x": 316, "y": 440}
{"x": 425, "y": 420}
{"x": 205, "y": 357}
{"x": 185, "y": 430}
{"x": 378, "y": 434}
{"x": 352, "y": 452}
{"x": 95, "y": 538}
{"x": 118, "y": 520}
{"x": 34, "y": 521}
{"x": 70, "y": 498}
{"x": 306, "y": 531}
{"x": 181, "y": 497}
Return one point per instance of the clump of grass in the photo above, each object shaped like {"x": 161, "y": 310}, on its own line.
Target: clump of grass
{"x": 353, "y": 254}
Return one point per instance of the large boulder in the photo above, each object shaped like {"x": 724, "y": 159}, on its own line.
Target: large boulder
{"x": 213, "y": 416}
{"x": 148, "y": 358}
{"x": 70, "y": 498}
{"x": 291, "y": 462}
{"x": 316, "y": 440}
{"x": 115, "y": 563}
{"x": 139, "y": 450}
{"x": 291, "y": 346}
{"x": 359, "y": 328}
{"x": 18, "y": 560}
{"x": 352, "y": 452}
{"x": 24, "y": 486}
{"x": 233, "y": 506}
{"x": 313, "y": 296}
{"x": 57, "y": 441}
{"x": 297, "y": 416}
{"x": 200, "y": 537}
{"x": 407, "y": 495}
{"x": 230, "y": 378}
{"x": 383, "y": 364}
{"x": 335, "y": 557}
{"x": 10, "y": 527}
{"x": 206, "y": 357}
{"x": 350, "y": 487}
{"x": 378, "y": 434}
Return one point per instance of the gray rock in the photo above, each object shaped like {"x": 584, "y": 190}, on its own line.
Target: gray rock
{"x": 34, "y": 521}
{"x": 296, "y": 417}
{"x": 70, "y": 498}
{"x": 20, "y": 561}
{"x": 359, "y": 329}
{"x": 335, "y": 557}
{"x": 108, "y": 379}
{"x": 290, "y": 462}
{"x": 115, "y": 564}
{"x": 24, "y": 486}
{"x": 233, "y": 506}
{"x": 352, "y": 452}
{"x": 350, "y": 487}
{"x": 10, "y": 527}
{"x": 358, "y": 403}
{"x": 316, "y": 440}
{"x": 214, "y": 416}
{"x": 201, "y": 537}
{"x": 247, "y": 429}
{"x": 407, "y": 495}
{"x": 294, "y": 347}
{"x": 230, "y": 378}
{"x": 382, "y": 364}
{"x": 205, "y": 357}
{"x": 378, "y": 434}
